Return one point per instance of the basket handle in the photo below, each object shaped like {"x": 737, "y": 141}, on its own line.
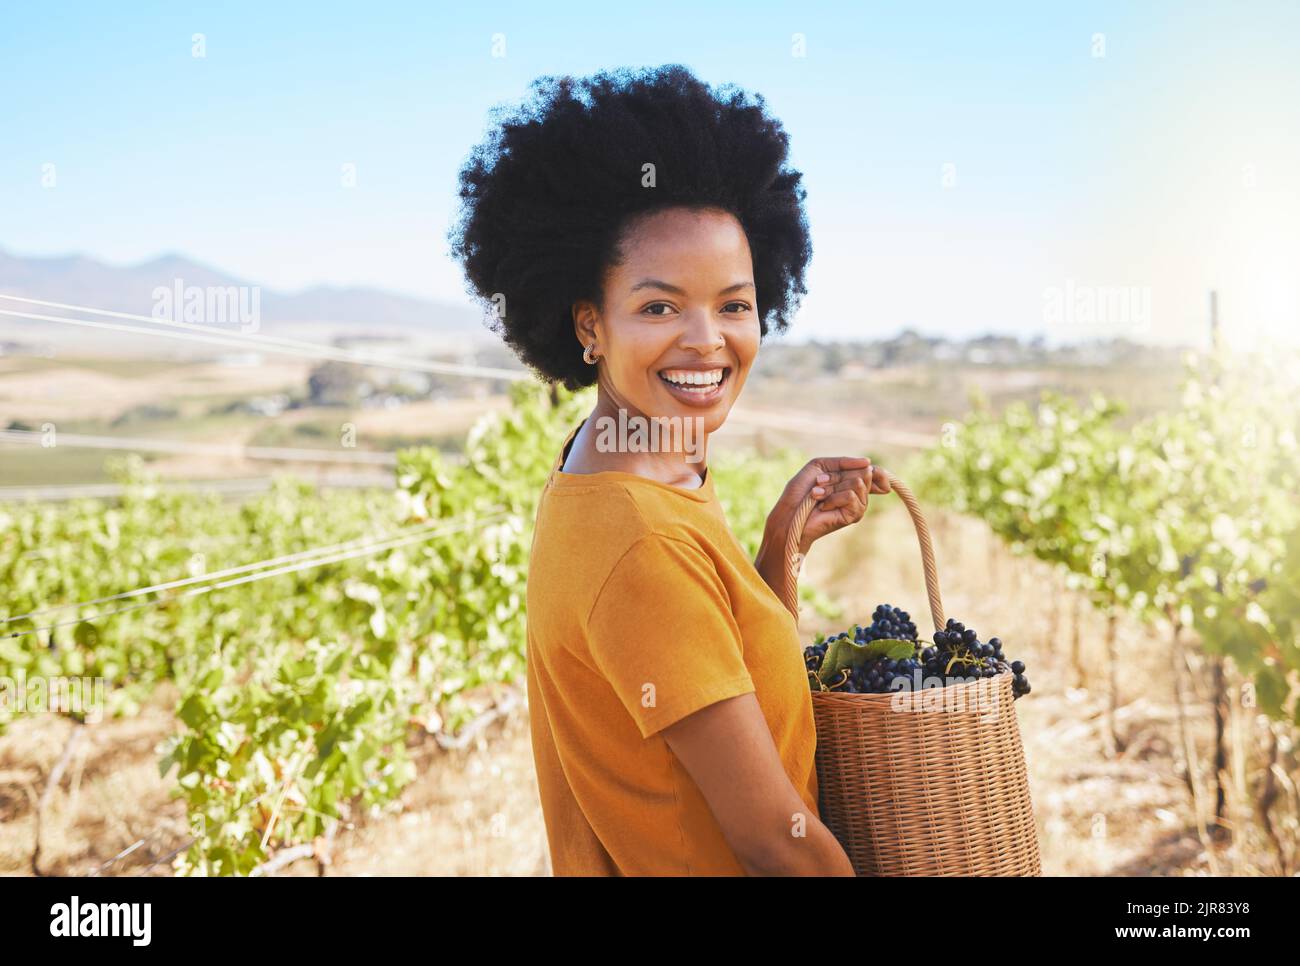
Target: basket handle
{"x": 794, "y": 559}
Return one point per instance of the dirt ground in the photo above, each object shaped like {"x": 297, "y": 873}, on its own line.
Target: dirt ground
{"x": 68, "y": 393}
{"x": 475, "y": 812}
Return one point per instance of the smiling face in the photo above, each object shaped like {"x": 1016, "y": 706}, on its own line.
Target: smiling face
{"x": 679, "y": 327}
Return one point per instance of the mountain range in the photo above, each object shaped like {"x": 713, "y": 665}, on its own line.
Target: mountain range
{"x": 80, "y": 280}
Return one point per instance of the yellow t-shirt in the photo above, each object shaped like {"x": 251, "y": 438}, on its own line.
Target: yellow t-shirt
{"x": 643, "y": 608}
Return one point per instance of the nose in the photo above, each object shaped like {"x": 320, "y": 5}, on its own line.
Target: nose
{"x": 702, "y": 333}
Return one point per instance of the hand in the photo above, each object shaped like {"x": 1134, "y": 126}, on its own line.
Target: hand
{"x": 842, "y": 483}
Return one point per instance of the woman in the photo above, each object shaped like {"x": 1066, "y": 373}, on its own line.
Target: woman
{"x": 643, "y": 232}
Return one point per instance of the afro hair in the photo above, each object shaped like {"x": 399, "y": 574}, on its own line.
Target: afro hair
{"x": 547, "y": 195}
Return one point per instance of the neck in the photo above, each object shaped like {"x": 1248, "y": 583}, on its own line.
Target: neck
{"x": 673, "y": 450}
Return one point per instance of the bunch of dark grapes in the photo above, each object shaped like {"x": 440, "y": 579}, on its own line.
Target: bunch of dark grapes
{"x": 959, "y": 652}
{"x": 814, "y": 654}
{"x": 887, "y": 623}
{"x": 956, "y": 656}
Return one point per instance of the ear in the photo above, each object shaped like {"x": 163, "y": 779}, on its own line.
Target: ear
{"x": 586, "y": 321}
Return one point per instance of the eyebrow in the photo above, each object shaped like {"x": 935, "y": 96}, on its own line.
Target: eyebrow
{"x": 655, "y": 283}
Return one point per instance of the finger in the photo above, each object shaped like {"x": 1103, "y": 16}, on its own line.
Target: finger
{"x": 849, "y": 480}
{"x": 839, "y": 486}
{"x": 838, "y": 516}
{"x": 824, "y": 485}
{"x": 863, "y": 471}
{"x": 836, "y": 464}
{"x": 880, "y": 480}
{"x": 855, "y": 487}
{"x": 810, "y": 476}
{"x": 839, "y": 501}
{"x": 857, "y": 491}
{"x": 805, "y": 478}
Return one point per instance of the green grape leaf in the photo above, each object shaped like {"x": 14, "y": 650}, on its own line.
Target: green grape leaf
{"x": 845, "y": 653}
{"x": 1270, "y": 690}
{"x": 193, "y": 712}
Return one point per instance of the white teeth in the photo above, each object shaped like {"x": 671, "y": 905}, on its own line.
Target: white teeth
{"x": 683, "y": 377}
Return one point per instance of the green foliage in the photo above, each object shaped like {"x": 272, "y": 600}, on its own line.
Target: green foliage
{"x": 1191, "y": 515}
{"x": 845, "y": 654}
{"x": 298, "y": 692}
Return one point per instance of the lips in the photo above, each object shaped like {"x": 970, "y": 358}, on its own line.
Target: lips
{"x": 697, "y": 395}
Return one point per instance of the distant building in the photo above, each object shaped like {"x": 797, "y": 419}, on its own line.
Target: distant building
{"x": 384, "y": 345}
{"x": 268, "y": 405}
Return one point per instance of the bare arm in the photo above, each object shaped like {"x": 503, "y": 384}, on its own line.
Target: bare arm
{"x": 728, "y": 751}
{"x": 842, "y": 485}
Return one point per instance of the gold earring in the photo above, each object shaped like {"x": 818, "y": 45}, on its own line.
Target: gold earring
{"x": 587, "y": 357}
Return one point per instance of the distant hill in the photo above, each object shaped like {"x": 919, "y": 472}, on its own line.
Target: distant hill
{"x": 78, "y": 280}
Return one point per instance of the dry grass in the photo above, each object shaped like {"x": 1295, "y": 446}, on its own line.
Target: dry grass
{"x": 110, "y": 796}
{"x": 471, "y": 812}
{"x": 69, "y": 393}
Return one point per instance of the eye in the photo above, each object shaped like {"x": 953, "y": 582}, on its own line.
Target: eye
{"x": 740, "y": 306}
{"x": 666, "y": 306}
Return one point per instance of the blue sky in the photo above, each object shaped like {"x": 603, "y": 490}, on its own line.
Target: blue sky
{"x": 1169, "y": 166}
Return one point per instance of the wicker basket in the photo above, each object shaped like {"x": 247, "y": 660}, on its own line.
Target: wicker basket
{"x": 931, "y": 782}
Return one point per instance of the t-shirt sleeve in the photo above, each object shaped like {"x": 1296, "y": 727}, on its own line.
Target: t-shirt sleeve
{"x": 663, "y": 634}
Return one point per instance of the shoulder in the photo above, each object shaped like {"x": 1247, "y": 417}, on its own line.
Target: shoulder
{"x": 590, "y": 538}
{"x": 617, "y": 514}
{"x": 608, "y": 513}
{"x": 659, "y": 559}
